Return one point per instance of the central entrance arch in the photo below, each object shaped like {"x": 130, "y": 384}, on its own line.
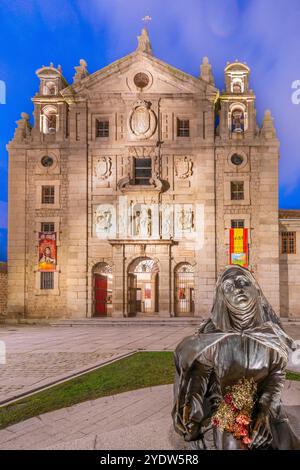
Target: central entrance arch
{"x": 143, "y": 278}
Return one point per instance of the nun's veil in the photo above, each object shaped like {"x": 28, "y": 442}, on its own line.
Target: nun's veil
{"x": 220, "y": 316}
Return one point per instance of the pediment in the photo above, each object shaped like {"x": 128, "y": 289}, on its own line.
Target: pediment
{"x": 121, "y": 77}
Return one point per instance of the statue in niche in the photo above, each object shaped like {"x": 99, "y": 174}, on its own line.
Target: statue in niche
{"x": 242, "y": 343}
{"x": 145, "y": 222}
{"x": 137, "y": 223}
{"x": 237, "y": 120}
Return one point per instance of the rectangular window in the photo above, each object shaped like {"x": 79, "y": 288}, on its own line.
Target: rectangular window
{"x": 47, "y": 227}
{"x": 237, "y": 223}
{"x": 102, "y": 128}
{"x": 47, "y": 280}
{"x": 47, "y": 194}
{"x": 142, "y": 171}
{"x": 288, "y": 243}
{"x": 237, "y": 190}
{"x": 183, "y": 128}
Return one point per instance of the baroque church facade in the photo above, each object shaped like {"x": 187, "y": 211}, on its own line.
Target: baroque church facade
{"x": 123, "y": 192}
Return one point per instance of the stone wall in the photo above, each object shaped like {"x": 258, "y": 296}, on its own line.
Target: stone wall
{"x": 3, "y": 288}
{"x": 289, "y": 267}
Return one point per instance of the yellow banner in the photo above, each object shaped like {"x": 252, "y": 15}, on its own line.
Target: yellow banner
{"x": 238, "y": 240}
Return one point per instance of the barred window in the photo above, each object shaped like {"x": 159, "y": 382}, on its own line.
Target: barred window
{"x": 47, "y": 280}
{"x": 48, "y": 194}
{"x": 237, "y": 190}
{"x": 47, "y": 226}
{"x": 142, "y": 171}
{"x": 288, "y": 242}
{"x": 237, "y": 223}
{"x": 183, "y": 128}
{"x": 102, "y": 128}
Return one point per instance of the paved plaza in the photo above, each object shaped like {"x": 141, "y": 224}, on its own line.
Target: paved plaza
{"x": 140, "y": 419}
{"x": 37, "y": 356}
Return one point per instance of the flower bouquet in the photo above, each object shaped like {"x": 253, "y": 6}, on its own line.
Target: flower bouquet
{"x": 234, "y": 411}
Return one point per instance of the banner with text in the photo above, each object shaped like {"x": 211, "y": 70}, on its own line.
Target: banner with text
{"x": 47, "y": 251}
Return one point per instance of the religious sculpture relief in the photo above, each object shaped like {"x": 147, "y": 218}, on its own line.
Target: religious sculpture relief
{"x": 185, "y": 219}
{"x": 183, "y": 167}
{"x": 143, "y": 120}
{"x": 102, "y": 167}
{"x": 166, "y": 222}
{"x": 104, "y": 221}
{"x": 143, "y": 222}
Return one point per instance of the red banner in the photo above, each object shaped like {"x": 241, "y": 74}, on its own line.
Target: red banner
{"x": 47, "y": 251}
{"x": 238, "y": 246}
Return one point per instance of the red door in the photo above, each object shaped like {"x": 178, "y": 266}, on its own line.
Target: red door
{"x": 100, "y": 295}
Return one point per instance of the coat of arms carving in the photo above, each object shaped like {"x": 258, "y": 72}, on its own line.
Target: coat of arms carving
{"x": 142, "y": 120}
{"x": 183, "y": 167}
{"x": 102, "y": 167}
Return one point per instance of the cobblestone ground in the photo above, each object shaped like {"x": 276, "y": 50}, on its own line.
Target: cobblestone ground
{"x": 140, "y": 419}
{"x": 37, "y": 356}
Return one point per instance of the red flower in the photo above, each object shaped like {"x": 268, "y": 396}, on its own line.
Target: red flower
{"x": 228, "y": 398}
{"x": 243, "y": 419}
{"x": 247, "y": 440}
{"x": 215, "y": 422}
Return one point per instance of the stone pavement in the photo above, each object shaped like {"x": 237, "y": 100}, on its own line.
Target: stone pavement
{"x": 40, "y": 355}
{"x": 139, "y": 419}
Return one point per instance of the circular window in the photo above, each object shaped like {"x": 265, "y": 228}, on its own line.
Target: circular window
{"x": 236, "y": 159}
{"x": 141, "y": 80}
{"x": 47, "y": 161}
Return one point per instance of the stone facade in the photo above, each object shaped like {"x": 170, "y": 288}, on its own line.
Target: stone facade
{"x": 140, "y": 179}
{"x": 3, "y": 288}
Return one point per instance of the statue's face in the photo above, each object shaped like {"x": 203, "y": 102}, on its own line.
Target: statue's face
{"x": 238, "y": 290}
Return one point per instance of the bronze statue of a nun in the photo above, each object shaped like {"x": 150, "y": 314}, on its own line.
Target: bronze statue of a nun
{"x": 243, "y": 338}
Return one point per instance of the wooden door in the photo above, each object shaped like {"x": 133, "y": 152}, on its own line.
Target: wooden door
{"x": 100, "y": 293}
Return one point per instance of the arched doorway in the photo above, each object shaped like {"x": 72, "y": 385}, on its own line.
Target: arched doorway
{"x": 102, "y": 292}
{"x": 143, "y": 287}
{"x": 184, "y": 290}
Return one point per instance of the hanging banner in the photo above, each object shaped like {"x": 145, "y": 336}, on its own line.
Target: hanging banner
{"x": 238, "y": 246}
{"x": 47, "y": 251}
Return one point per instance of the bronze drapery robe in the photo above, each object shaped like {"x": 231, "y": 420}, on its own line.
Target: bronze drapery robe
{"x": 218, "y": 355}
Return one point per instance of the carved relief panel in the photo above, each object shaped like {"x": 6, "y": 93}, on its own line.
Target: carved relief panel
{"x": 104, "y": 221}
{"x": 102, "y": 171}
{"x": 142, "y": 121}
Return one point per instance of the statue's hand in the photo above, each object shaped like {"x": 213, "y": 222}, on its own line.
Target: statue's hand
{"x": 193, "y": 430}
{"x": 261, "y": 433}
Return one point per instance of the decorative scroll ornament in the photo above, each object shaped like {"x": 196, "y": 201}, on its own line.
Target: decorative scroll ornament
{"x": 183, "y": 167}
{"x": 102, "y": 167}
{"x": 143, "y": 120}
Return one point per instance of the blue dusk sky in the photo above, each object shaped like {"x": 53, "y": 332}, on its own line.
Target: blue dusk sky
{"x": 264, "y": 33}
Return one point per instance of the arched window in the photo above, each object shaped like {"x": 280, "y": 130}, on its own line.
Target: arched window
{"x": 49, "y": 120}
{"x": 237, "y": 85}
{"x": 103, "y": 278}
{"x": 237, "y": 117}
{"x": 184, "y": 289}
